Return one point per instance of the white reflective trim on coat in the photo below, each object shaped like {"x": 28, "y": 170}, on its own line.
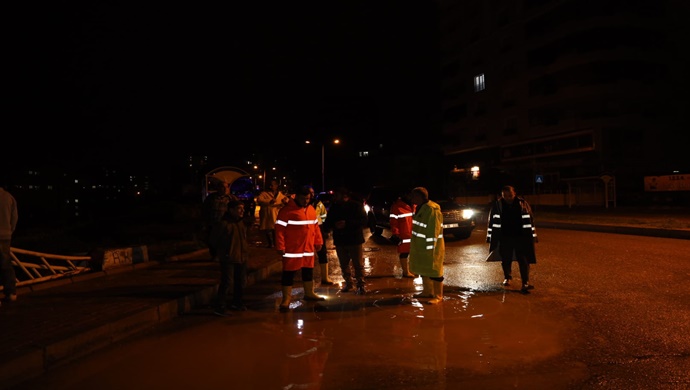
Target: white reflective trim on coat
{"x": 417, "y": 234}
{"x": 422, "y": 224}
{"x": 312, "y": 222}
{"x": 296, "y": 255}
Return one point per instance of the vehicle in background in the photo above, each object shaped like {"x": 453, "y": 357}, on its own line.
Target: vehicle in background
{"x": 378, "y": 204}
{"x": 458, "y": 220}
{"x": 326, "y": 198}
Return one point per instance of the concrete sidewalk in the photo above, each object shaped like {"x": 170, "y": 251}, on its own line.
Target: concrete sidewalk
{"x": 66, "y": 319}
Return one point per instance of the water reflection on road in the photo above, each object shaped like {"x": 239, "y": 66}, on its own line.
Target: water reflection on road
{"x": 481, "y": 334}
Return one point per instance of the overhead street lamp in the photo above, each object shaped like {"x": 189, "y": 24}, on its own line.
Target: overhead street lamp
{"x": 262, "y": 176}
{"x": 323, "y": 162}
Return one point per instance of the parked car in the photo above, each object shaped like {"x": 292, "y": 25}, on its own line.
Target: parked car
{"x": 458, "y": 220}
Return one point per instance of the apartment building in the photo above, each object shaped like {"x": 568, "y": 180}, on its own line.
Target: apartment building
{"x": 565, "y": 96}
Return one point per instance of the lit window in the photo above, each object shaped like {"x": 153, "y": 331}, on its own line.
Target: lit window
{"x": 475, "y": 172}
{"x": 479, "y": 83}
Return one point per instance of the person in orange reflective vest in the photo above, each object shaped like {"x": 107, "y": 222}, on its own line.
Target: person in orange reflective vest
{"x": 298, "y": 238}
{"x": 401, "y": 213}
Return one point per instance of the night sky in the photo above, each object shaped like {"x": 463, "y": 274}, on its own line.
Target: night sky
{"x": 90, "y": 81}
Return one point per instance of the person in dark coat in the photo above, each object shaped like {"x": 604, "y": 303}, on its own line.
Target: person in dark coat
{"x": 8, "y": 223}
{"x": 213, "y": 210}
{"x": 347, "y": 220}
{"x": 232, "y": 249}
{"x": 511, "y": 230}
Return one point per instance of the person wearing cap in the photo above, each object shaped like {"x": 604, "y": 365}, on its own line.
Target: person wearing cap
{"x": 298, "y": 238}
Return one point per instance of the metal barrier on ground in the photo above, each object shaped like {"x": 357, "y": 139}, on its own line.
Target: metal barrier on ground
{"x": 37, "y": 267}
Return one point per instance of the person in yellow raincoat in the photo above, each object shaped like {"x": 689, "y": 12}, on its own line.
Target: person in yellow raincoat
{"x": 270, "y": 201}
{"x": 427, "y": 247}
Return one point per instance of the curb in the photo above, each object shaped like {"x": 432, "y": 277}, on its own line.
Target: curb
{"x": 629, "y": 230}
{"x": 36, "y": 360}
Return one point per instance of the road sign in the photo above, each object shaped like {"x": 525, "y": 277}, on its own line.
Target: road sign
{"x": 540, "y": 179}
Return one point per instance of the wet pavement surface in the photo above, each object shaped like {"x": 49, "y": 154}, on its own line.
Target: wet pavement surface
{"x": 570, "y": 333}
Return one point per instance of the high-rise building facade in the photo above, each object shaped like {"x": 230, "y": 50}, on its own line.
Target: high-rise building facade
{"x": 564, "y": 95}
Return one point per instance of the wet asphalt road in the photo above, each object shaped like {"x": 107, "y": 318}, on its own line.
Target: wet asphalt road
{"x": 608, "y": 312}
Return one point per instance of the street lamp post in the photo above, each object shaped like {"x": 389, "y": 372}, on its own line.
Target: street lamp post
{"x": 263, "y": 177}
{"x": 323, "y": 162}
{"x": 323, "y": 168}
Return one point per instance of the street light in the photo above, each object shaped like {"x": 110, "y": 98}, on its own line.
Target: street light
{"x": 323, "y": 162}
{"x": 260, "y": 176}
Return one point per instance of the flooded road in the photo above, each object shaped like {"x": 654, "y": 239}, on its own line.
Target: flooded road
{"x": 608, "y": 312}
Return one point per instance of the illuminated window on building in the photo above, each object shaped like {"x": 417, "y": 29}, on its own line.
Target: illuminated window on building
{"x": 479, "y": 83}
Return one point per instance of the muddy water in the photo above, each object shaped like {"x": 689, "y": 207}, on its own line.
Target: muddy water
{"x": 481, "y": 336}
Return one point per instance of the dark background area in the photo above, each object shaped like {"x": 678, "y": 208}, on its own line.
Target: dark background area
{"x": 139, "y": 88}
{"x": 163, "y": 81}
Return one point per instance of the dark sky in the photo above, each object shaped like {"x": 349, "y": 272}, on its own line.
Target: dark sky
{"x": 95, "y": 79}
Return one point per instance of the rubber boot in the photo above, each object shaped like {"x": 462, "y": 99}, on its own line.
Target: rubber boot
{"x": 405, "y": 265}
{"x": 309, "y": 294}
{"x": 427, "y": 288}
{"x": 438, "y": 293}
{"x": 287, "y": 296}
{"x": 325, "y": 280}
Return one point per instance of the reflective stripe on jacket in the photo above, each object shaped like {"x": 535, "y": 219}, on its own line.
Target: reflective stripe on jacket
{"x": 297, "y": 232}
{"x": 400, "y": 218}
{"x": 427, "y": 247}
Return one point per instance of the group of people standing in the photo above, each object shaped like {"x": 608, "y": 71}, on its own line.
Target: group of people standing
{"x": 297, "y": 227}
{"x": 301, "y": 233}
{"x": 418, "y": 226}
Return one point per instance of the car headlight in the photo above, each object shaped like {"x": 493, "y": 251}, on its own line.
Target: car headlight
{"x": 467, "y": 213}
{"x": 366, "y": 208}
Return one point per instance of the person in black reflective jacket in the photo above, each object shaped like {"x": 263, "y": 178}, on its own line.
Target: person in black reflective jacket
{"x": 511, "y": 224}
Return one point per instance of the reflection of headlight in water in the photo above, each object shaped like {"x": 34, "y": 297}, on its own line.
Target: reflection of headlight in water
{"x": 300, "y": 324}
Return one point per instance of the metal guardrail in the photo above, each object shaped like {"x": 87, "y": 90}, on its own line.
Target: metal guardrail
{"x": 38, "y": 267}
